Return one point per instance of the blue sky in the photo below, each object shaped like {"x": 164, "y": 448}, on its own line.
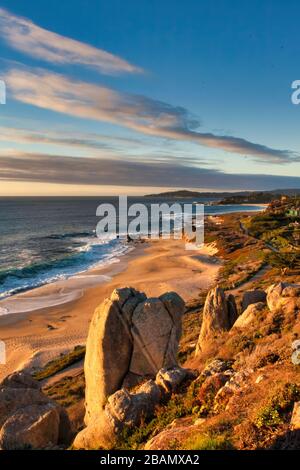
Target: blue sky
{"x": 152, "y": 95}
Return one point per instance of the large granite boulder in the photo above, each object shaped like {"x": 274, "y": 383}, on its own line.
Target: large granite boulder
{"x": 155, "y": 338}
{"x": 130, "y": 338}
{"x": 219, "y": 314}
{"x": 108, "y": 349}
{"x": 35, "y": 426}
{"x": 249, "y": 315}
{"x": 28, "y": 418}
{"x": 232, "y": 309}
{"x": 12, "y": 399}
{"x": 175, "y": 306}
{"x": 253, "y": 297}
{"x": 284, "y": 297}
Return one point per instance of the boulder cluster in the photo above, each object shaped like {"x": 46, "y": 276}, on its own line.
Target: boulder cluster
{"x": 284, "y": 297}
{"x": 28, "y": 418}
{"x": 127, "y": 409}
{"x": 131, "y": 358}
{"x": 220, "y": 312}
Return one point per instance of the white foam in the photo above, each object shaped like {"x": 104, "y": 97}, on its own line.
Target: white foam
{"x": 30, "y": 304}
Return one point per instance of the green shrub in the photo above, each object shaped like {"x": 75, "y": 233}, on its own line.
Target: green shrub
{"x": 279, "y": 405}
{"x": 268, "y": 417}
{"x": 208, "y": 442}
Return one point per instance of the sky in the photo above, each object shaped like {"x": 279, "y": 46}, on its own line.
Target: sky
{"x": 113, "y": 97}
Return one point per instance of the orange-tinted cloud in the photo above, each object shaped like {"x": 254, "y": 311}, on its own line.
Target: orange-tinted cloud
{"x": 59, "y": 93}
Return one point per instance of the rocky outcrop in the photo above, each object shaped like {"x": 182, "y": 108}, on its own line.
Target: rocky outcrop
{"x": 130, "y": 338}
{"x": 176, "y": 432}
{"x": 155, "y": 338}
{"x": 249, "y": 315}
{"x": 284, "y": 296}
{"x": 232, "y": 309}
{"x": 126, "y": 409}
{"x": 219, "y": 314}
{"x": 216, "y": 366}
{"x": 295, "y": 420}
{"x": 253, "y": 297}
{"x": 20, "y": 380}
{"x": 108, "y": 349}
{"x": 213, "y": 377}
{"x": 176, "y": 307}
{"x": 235, "y": 384}
{"x": 212, "y": 385}
{"x": 28, "y": 418}
{"x": 170, "y": 379}
{"x": 35, "y": 426}
{"x": 296, "y": 352}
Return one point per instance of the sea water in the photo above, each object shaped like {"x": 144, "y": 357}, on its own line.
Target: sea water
{"x": 47, "y": 239}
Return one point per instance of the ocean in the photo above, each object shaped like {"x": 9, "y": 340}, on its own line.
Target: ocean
{"x": 47, "y": 239}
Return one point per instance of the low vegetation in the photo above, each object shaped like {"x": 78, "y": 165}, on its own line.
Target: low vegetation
{"x": 279, "y": 228}
{"x": 278, "y": 407}
{"x": 208, "y": 442}
{"x": 60, "y": 363}
{"x": 180, "y": 405}
{"x": 67, "y": 391}
{"x": 243, "y": 256}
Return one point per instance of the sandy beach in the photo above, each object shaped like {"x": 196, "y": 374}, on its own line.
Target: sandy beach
{"x": 52, "y": 319}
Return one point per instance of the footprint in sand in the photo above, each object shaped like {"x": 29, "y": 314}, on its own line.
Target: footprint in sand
{"x": 64, "y": 318}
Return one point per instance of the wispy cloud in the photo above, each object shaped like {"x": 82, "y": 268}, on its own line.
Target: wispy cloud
{"x": 18, "y": 140}
{"x": 25, "y": 36}
{"x": 58, "y": 93}
{"x": 73, "y": 139}
{"x": 17, "y": 166}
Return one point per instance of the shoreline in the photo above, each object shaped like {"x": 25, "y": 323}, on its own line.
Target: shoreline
{"x": 67, "y": 289}
{"x": 35, "y": 336}
{"x": 15, "y": 291}
{"x": 261, "y": 206}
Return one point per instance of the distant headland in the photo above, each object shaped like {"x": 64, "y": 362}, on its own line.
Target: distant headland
{"x": 239, "y": 197}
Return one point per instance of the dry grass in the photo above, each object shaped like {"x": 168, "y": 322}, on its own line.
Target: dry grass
{"x": 60, "y": 363}
{"x": 68, "y": 390}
